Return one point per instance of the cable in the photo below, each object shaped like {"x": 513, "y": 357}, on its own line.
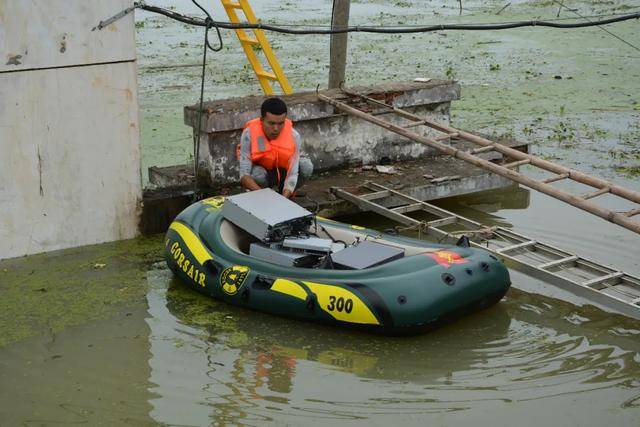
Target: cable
{"x": 603, "y": 29}
{"x": 601, "y": 15}
{"x": 388, "y": 30}
{"x": 196, "y": 137}
{"x": 210, "y": 22}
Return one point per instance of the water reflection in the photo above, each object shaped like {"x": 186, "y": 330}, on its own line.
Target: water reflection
{"x": 216, "y": 364}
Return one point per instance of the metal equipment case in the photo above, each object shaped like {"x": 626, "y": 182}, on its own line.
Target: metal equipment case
{"x": 266, "y": 214}
{"x": 364, "y": 255}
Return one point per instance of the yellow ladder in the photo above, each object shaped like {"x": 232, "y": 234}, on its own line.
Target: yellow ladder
{"x": 248, "y": 42}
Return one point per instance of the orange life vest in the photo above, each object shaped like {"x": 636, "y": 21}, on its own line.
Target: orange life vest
{"x": 271, "y": 153}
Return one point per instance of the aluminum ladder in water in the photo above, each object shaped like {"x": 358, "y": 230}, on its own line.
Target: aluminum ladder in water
{"x": 252, "y": 43}
{"x": 595, "y": 282}
{"x": 624, "y": 219}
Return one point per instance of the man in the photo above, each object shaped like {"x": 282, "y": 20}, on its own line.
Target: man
{"x": 269, "y": 151}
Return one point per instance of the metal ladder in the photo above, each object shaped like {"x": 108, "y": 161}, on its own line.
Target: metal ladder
{"x": 259, "y": 39}
{"x": 558, "y": 172}
{"x": 596, "y": 282}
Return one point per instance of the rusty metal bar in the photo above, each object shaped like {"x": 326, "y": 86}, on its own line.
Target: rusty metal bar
{"x": 516, "y": 163}
{"x": 482, "y": 149}
{"x": 596, "y": 193}
{"x": 573, "y": 200}
{"x": 632, "y": 212}
{"x": 559, "y": 177}
{"x": 573, "y": 174}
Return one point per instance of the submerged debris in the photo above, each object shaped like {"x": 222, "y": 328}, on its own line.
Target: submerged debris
{"x": 390, "y": 170}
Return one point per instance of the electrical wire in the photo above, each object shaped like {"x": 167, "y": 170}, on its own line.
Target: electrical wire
{"x": 196, "y": 137}
{"x": 387, "y": 30}
{"x": 567, "y": 18}
{"x": 562, "y": 5}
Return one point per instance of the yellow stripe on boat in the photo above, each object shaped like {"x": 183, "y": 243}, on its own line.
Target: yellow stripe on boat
{"x": 215, "y": 202}
{"x": 193, "y": 243}
{"x": 290, "y": 288}
{"x": 342, "y": 304}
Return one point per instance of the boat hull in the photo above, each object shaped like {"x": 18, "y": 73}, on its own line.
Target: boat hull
{"x": 406, "y": 296}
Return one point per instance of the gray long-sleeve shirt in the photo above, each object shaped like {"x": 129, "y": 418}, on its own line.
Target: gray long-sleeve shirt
{"x": 294, "y": 162}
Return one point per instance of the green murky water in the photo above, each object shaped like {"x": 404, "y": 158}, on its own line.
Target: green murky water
{"x": 574, "y": 94}
{"x": 105, "y": 335}
{"x": 127, "y": 343}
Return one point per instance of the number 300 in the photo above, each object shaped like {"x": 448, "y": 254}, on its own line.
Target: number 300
{"x": 340, "y": 304}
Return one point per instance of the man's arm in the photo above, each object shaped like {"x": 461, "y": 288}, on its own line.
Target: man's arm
{"x": 245, "y": 163}
{"x": 294, "y": 163}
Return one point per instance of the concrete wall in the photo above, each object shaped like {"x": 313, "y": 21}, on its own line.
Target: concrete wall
{"x": 331, "y": 140}
{"x": 69, "y": 146}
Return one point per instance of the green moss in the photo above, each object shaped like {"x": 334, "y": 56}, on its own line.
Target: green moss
{"x": 48, "y": 292}
{"x": 630, "y": 171}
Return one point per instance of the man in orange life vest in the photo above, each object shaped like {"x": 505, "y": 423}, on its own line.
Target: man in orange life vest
{"x": 270, "y": 151}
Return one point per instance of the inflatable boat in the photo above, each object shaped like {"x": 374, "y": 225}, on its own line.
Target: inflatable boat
{"x": 319, "y": 270}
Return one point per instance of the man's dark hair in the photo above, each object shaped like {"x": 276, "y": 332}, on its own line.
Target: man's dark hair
{"x": 274, "y": 106}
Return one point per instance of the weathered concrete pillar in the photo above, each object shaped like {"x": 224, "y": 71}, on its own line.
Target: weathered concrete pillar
{"x": 338, "y": 59}
{"x": 69, "y": 143}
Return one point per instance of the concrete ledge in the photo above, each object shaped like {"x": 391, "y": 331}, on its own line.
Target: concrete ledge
{"x": 331, "y": 140}
{"x": 174, "y": 184}
{"x": 232, "y": 113}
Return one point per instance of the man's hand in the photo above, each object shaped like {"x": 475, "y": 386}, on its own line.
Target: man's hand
{"x": 287, "y": 193}
{"x": 249, "y": 183}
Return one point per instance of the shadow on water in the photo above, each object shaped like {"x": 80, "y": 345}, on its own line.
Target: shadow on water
{"x": 234, "y": 365}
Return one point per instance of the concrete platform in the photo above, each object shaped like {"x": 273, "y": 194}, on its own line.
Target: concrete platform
{"x": 421, "y": 178}
{"x": 330, "y": 138}
{"x": 343, "y": 149}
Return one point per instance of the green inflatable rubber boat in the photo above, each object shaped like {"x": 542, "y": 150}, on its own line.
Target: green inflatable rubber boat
{"x": 417, "y": 287}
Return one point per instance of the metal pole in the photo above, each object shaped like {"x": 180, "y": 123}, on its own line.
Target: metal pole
{"x": 338, "y": 43}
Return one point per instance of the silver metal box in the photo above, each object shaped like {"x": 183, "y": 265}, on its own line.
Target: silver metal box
{"x": 312, "y": 244}
{"x": 279, "y": 256}
{"x": 266, "y": 214}
{"x": 364, "y": 255}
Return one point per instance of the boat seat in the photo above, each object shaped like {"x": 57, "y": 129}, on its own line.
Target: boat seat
{"x": 235, "y": 237}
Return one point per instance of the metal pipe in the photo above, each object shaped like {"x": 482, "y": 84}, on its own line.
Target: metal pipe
{"x": 615, "y": 217}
